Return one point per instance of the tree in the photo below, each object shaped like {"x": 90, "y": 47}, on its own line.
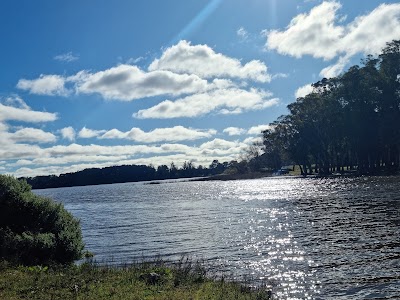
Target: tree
{"x": 350, "y": 121}
{"x": 216, "y": 167}
{"x": 34, "y": 229}
{"x": 162, "y": 172}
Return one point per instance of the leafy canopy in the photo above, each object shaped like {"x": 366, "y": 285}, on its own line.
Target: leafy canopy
{"x": 34, "y": 229}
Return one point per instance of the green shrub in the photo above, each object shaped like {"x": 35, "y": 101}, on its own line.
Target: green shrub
{"x": 34, "y": 229}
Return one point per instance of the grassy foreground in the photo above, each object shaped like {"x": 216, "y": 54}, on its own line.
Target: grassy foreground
{"x": 143, "y": 281}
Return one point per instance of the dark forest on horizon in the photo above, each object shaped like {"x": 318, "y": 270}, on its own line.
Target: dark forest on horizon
{"x": 128, "y": 173}
{"x": 348, "y": 123}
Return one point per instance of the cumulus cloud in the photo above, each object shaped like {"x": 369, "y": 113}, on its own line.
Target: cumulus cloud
{"x": 220, "y": 147}
{"x": 68, "y": 133}
{"x": 253, "y": 140}
{"x": 16, "y": 101}
{"x": 335, "y": 69}
{"x": 66, "y": 57}
{"x": 3, "y": 127}
{"x": 234, "y": 131}
{"x": 86, "y": 133}
{"x": 173, "y": 134}
{"x": 127, "y": 82}
{"x": 51, "y": 85}
{"x": 218, "y": 144}
{"x": 203, "y": 61}
{"x": 32, "y": 135}
{"x": 327, "y": 38}
{"x": 255, "y": 130}
{"x": 221, "y": 100}
{"x": 123, "y": 82}
{"x": 23, "y": 113}
{"x": 314, "y": 33}
{"x": 303, "y": 91}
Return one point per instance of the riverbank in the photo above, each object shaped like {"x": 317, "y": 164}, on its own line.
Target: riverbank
{"x": 155, "y": 281}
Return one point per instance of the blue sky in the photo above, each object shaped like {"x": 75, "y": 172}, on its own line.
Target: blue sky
{"x": 99, "y": 83}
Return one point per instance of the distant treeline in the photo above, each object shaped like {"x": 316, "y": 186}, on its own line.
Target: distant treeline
{"x": 128, "y": 173}
{"x": 349, "y": 122}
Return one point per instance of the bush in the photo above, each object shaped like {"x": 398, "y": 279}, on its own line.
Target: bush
{"x": 34, "y": 229}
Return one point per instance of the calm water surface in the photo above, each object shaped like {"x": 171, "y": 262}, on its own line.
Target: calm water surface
{"x": 309, "y": 238}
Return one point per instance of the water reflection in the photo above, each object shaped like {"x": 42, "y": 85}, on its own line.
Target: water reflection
{"x": 308, "y": 238}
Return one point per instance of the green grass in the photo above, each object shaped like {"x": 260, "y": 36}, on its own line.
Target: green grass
{"x": 185, "y": 280}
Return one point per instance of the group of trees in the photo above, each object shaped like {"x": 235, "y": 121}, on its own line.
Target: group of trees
{"x": 349, "y": 122}
{"x": 131, "y": 173}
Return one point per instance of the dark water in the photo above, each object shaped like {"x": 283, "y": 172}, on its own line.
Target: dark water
{"x": 309, "y": 238}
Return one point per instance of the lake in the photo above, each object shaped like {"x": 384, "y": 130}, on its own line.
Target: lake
{"x": 334, "y": 238}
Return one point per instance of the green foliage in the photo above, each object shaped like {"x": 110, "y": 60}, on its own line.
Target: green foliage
{"x": 34, "y": 229}
{"x": 347, "y": 123}
{"x": 88, "y": 281}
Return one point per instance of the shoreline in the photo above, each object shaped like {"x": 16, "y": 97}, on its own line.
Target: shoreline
{"x": 147, "y": 280}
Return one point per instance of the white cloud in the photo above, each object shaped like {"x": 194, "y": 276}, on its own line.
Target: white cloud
{"x": 194, "y": 72}
{"x": 257, "y": 130}
{"x": 253, "y": 140}
{"x": 174, "y": 134}
{"x": 25, "y": 114}
{"x": 326, "y": 37}
{"x": 369, "y": 34}
{"x": 335, "y": 69}
{"x": 234, "y": 131}
{"x": 133, "y": 61}
{"x": 85, "y": 150}
{"x": 68, "y": 133}
{"x": 203, "y": 61}
{"x": 242, "y": 33}
{"x": 51, "y": 85}
{"x": 86, "y": 133}
{"x": 9, "y": 150}
{"x": 66, "y": 57}
{"x": 314, "y": 34}
{"x": 303, "y": 91}
{"x": 58, "y": 159}
{"x": 72, "y": 159}
{"x": 126, "y": 82}
{"x": 32, "y": 160}
{"x": 218, "y": 144}
{"x": 17, "y": 102}
{"x": 220, "y": 147}
{"x": 178, "y": 159}
{"x": 3, "y": 127}
{"x": 23, "y": 162}
{"x": 280, "y": 75}
{"x": 32, "y": 135}
{"x": 222, "y": 100}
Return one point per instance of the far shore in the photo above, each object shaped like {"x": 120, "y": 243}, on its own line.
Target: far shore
{"x": 226, "y": 177}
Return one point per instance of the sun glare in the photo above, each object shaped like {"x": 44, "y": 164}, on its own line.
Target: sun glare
{"x": 197, "y": 21}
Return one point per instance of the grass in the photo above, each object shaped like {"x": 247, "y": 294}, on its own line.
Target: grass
{"x": 156, "y": 281}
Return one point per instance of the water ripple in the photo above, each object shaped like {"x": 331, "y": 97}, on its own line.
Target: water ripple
{"x": 307, "y": 238}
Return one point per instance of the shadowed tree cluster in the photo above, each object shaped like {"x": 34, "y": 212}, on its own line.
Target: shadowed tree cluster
{"x": 127, "y": 173}
{"x": 34, "y": 229}
{"x": 350, "y": 122}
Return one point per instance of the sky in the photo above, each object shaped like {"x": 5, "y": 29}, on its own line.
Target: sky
{"x": 96, "y": 83}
